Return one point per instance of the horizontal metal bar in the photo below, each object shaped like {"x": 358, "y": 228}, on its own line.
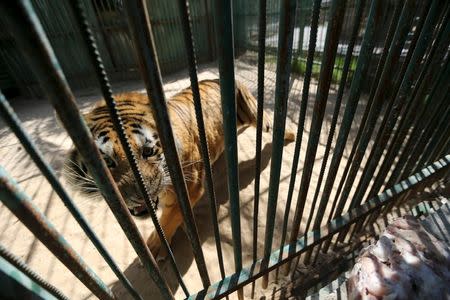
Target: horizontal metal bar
{"x": 29, "y": 214}
{"x": 259, "y": 268}
{"x": 140, "y": 27}
{"x": 21, "y": 266}
{"x": 30, "y": 36}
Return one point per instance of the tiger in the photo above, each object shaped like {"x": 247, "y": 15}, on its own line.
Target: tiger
{"x": 135, "y": 110}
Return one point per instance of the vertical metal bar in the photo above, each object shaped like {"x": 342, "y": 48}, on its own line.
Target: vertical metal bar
{"x": 31, "y": 38}
{"x": 23, "y": 208}
{"x": 223, "y": 21}
{"x": 302, "y": 114}
{"x": 102, "y": 78}
{"x": 412, "y": 118}
{"x": 429, "y": 114}
{"x": 380, "y": 94}
{"x": 143, "y": 38}
{"x": 348, "y": 57}
{"x": 326, "y": 71}
{"x": 22, "y": 266}
{"x": 387, "y": 43}
{"x": 427, "y": 132}
{"x": 353, "y": 99}
{"x": 183, "y": 6}
{"x": 283, "y": 72}
{"x": 13, "y": 122}
{"x": 393, "y": 111}
{"x": 434, "y": 149}
{"x": 259, "y": 124}
{"x": 345, "y": 69}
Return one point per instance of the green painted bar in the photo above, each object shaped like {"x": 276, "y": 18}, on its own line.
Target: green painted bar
{"x": 13, "y": 122}
{"x": 183, "y": 6}
{"x": 326, "y": 71}
{"x": 223, "y": 21}
{"x": 142, "y": 34}
{"x": 427, "y": 115}
{"x": 379, "y": 70}
{"x": 259, "y": 268}
{"x": 302, "y": 114}
{"x": 283, "y": 72}
{"x": 337, "y": 106}
{"x": 22, "y": 268}
{"x": 352, "y": 102}
{"x": 106, "y": 89}
{"x": 261, "y": 59}
{"x": 400, "y": 99}
{"x": 14, "y": 284}
{"x": 32, "y": 41}
{"x": 22, "y": 206}
{"x": 399, "y": 39}
{"x": 413, "y": 116}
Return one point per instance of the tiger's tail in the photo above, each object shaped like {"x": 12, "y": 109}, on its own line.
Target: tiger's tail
{"x": 247, "y": 112}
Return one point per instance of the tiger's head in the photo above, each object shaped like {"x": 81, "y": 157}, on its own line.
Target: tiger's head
{"x": 143, "y": 138}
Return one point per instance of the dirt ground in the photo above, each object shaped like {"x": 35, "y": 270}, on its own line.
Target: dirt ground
{"x": 39, "y": 121}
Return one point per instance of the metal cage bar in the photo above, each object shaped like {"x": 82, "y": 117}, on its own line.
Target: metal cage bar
{"x": 32, "y": 39}
{"x": 404, "y": 90}
{"x": 23, "y": 208}
{"x": 259, "y": 268}
{"x": 223, "y": 25}
{"x": 141, "y": 30}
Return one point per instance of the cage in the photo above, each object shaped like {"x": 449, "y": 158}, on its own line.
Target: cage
{"x": 362, "y": 85}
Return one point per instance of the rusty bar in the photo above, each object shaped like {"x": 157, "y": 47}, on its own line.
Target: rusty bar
{"x": 33, "y": 42}
{"x": 183, "y": 6}
{"x": 29, "y": 214}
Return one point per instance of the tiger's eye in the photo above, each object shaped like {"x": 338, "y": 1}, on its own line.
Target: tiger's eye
{"x": 147, "y": 151}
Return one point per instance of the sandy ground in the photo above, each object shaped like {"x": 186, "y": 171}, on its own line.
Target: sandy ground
{"x": 38, "y": 119}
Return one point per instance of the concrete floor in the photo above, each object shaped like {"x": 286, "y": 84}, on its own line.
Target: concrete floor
{"x": 39, "y": 121}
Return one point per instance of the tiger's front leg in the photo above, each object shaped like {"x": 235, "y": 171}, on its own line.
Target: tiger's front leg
{"x": 170, "y": 220}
